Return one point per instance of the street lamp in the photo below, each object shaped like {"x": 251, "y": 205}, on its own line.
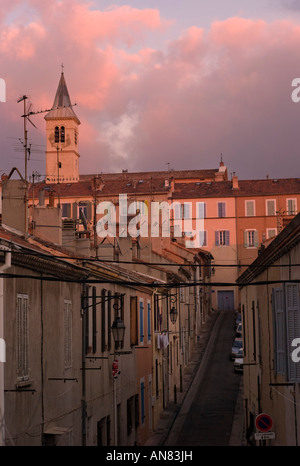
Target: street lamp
{"x": 118, "y": 330}
{"x": 173, "y": 310}
{"x": 173, "y": 314}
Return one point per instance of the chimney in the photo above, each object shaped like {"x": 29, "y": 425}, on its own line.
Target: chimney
{"x": 14, "y": 209}
{"x": 235, "y": 181}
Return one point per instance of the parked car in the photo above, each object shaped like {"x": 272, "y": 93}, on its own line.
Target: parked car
{"x": 239, "y": 330}
{"x": 238, "y": 320}
{"x": 238, "y": 365}
{"x": 236, "y": 346}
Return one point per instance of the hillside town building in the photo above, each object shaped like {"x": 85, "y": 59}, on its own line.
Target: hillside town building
{"x": 82, "y": 251}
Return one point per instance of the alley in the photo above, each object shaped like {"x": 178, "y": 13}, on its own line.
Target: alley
{"x": 206, "y": 418}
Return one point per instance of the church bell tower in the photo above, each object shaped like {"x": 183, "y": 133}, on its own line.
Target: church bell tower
{"x": 62, "y": 156}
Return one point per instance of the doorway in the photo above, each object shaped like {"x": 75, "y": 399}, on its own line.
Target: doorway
{"x": 226, "y": 300}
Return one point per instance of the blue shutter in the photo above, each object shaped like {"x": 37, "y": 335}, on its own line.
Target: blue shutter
{"x": 149, "y": 322}
{"x": 141, "y": 322}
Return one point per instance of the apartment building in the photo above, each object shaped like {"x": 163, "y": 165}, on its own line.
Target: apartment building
{"x": 271, "y": 323}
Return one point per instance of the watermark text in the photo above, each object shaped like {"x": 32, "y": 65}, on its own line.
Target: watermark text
{"x": 2, "y": 350}
{"x": 2, "y": 90}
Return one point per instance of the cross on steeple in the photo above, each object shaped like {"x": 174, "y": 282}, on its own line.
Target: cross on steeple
{"x": 62, "y": 67}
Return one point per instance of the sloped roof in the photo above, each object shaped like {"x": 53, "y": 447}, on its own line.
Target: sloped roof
{"x": 62, "y": 107}
{"x": 267, "y": 187}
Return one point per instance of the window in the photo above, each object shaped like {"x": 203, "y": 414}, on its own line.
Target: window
{"x": 250, "y": 208}
{"x": 59, "y": 134}
{"x": 202, "y": 238}
{"x": 149, "y": 321}
{"x": 201, "y": 207}
{"x": 66, "y": 210}
{"x": 142, "y": 401}
{"x": 222, "y": 238}
{"x": 270, "y": 207}
{"x": 141, "y": 321}
{"x": 94, "y": 319}
{"x": 62, "y": 134}
{"x": 221, "y": 209}
{"x": 67, "y": 334}
{"x": 286, "y": 314}
{"x": 186, "y": 209}
{"x": 75, "y": 137}
{"x": 251, "y": 239}
{"x": 271, "y": 232}
{"x": 56, "y": 134}
{"x": 157, "y": 313}
{"x": 103, "y": 320}
{"x": 291, "y": 206}
{"x": 84, "y": 210}
{"x": 109, "y": 308}
{"x": 130, "y": 414}
{"x": 133, "y": 321}
{"x": 22, "y": 338}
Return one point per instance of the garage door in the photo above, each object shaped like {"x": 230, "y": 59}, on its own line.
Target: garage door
{"x": 225, "y": 300}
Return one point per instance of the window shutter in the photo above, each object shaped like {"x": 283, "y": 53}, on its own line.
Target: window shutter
{"x": 201, "y": 210}
{"x": 141, "y": 322}
{"x": 270, "y": 207}
{"x": 74, "y": 210}
{"x": 68, "y": 334}
{"x": 142, "y": 402}
{"x": 217, "y": 238}
{"x": 202, "y": 238}
{"x": 22, "y": 337}
{"x": 256, "y": 238}
{"x": 279, "y": 330}
{"x": 227, "y": 237}
{"x": 187, "y": 210}
{"x": 293, "y": 327}
{"x": 149, "y": 322}
{"x": 221, "y": 209}
{"x": 177, "y": 211}
{"x": 245, "y": 239}
{"x": 250, "y": 208}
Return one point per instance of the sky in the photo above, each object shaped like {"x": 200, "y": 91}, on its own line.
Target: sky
{"x": 158, "y": 84}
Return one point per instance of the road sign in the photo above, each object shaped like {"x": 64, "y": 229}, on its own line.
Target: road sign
{"x": 264, "y": 435}
{"x": 263, "y": 422}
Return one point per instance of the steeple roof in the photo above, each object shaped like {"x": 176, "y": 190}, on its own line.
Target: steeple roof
{"x": 62, "y": 107}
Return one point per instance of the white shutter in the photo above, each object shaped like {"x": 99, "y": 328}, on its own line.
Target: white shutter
{"x": 22, "y": 337}
{"x": 67, "y": 333}
{"x": 293, "y": 327}
{"x": 279, "y": 330}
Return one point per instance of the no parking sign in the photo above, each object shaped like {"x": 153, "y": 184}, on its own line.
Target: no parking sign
{"x": 263, "y": 422}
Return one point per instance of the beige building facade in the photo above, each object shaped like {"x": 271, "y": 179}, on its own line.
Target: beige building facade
{"x": 271, "y": 318}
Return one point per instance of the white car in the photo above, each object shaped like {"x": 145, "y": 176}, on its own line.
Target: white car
{"x": 239, "y": 330}
{"x": 237, "y": 345}
{"x": 238, "y": 364}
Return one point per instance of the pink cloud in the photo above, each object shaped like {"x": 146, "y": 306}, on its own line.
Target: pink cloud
{"x": 226, "y": 89}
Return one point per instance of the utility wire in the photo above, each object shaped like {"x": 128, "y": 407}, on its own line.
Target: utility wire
{"x": 153, "y": 284}
{"x": 168, "y": 264}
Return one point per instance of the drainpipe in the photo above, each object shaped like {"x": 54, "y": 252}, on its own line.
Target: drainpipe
{"x": 3, "y": 267}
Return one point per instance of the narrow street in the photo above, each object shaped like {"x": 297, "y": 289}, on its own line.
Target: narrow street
{"x": 206, "y": 418}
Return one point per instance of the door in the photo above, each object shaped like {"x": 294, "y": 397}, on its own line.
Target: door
{"x": 225, "y": 300}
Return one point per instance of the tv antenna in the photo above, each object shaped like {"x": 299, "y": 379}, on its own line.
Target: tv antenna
{"x": 26, "y": 117}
